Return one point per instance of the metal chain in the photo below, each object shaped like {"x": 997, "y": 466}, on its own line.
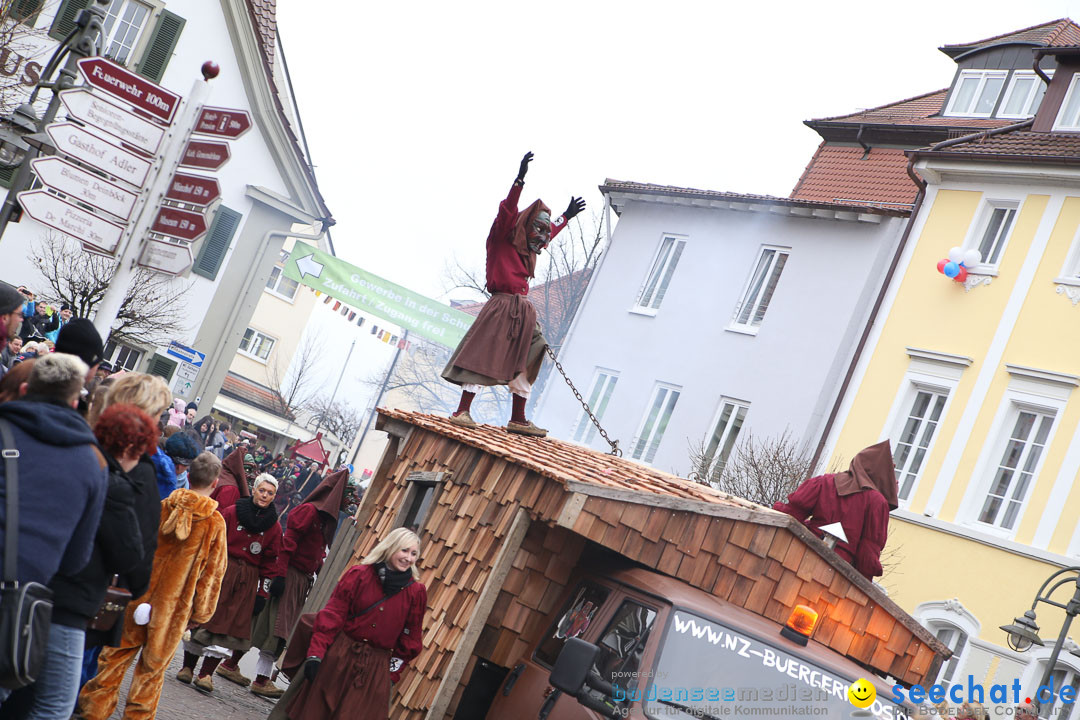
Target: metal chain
{"x": 603, "y": 433}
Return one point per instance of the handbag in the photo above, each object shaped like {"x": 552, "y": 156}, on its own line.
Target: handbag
{"x": 25, "y": 608}
{"x": 112, "y": 607}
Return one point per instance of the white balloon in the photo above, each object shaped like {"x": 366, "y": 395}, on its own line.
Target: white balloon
{"x": 956, "y": 254}
{"x": 972, "y": 258}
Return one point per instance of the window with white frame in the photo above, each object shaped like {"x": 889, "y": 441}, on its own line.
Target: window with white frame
{"x": 122, "y": 357}
{"x": 920, "y": 425}
{"x": 1069, "y": 116}
{"x": 1024, "y": 95}
{"x": 954, "y": 638}
{"x": 992, "y": 232}
{"x": 256, "y": 344}
{"x": 277, "y": 283}
{"x": 760, "y": 287}
{"x": 976, "y": 92}
{"x": 598, "y": 398}
{"x": 1062, "y": 676}
{"x": 663, "y": 268}
{"x": 725, "y": 432}
{"x": 124, "y": 22}
{"x": 654, "y": 423}
{"x": 1019, "y": 453}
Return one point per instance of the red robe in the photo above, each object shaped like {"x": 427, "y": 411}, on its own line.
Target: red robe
{"x": 507, "y": 271}
{"x": 863, "y": 515}
{"x": 303, "y": 546}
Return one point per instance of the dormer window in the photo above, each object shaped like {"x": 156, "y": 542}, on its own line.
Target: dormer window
{"x": 976, "y": 93}
{"x": 1069, "y": 116}
{"x": 1024, "y": 95}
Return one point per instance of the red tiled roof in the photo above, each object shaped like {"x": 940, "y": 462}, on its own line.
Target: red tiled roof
{"x": 564, "y": 462}
{"x": 551, "y": 291}
{"x": 614, "y": 186}
{"x": 264, "y": 18}
{"x": 1056, "y": 33}
{"x": 840, "y": 174}
{"x": 1021, "y": 144}
{"x": 256, "y": 395}
{"x": 918, "y": 110}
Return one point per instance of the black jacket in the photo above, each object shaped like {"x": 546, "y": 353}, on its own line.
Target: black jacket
{"x": 118, "y": 548}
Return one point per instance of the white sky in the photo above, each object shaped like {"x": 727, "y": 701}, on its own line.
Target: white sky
{"x": 417, "y": 113}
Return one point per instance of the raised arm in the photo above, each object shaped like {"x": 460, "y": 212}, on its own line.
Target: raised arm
{"x": 576, "y": 206}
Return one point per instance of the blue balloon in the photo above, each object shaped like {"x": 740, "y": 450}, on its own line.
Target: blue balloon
{"x": 951, "y": 269}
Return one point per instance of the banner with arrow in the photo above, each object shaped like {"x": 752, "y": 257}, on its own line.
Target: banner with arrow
{"x": 373, "y": 295}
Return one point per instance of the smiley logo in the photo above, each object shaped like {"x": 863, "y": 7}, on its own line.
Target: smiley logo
{"x": 861, "y": 693}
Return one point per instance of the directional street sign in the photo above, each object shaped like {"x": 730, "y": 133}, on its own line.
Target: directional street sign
{"x": 83, "y": 105}
{"x": 193, "y": 189}
{"x": 80, "y": 224}
{"x": 222, "y": 122}
{"x": 76, "y": 142}
{"x": 84, "y": 186}
{"x": 187, "y": 371}
{"x": 188, "y": 355}
{"x": 182, "y": 224}
{"x": 121, "y": 83}
{"x": 205, "y": 154}
{"x": 166, "y": 257}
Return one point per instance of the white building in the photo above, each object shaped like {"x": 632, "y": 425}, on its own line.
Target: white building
{"x": 716, "y": 313}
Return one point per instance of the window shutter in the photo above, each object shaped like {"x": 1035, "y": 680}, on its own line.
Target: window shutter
{"x": 64, "y": 22}
{"x": 25, "y": 11}
{"x": 161, "y": 366}
{"x": 217, "y": 242}
{"x": 160, "y": 48}
{"x": 7, "y": 174}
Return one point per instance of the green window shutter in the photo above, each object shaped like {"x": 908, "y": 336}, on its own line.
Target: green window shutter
{"x": 64, "y": 22}
{"x": 161, "y": 366}
{"x": 217, "y": 242}
{"x": 25, "y": 11}
{"x": 7, "y": 174}
{"x": 160, "y": 48}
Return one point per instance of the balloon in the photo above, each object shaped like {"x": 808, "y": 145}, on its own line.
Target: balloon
{"x": 951, "y": 269}
{"x": 962, "y": 275}
{"x": 972, "y": 258}
{"x": 941, "y": 265}
{"x": 956, "y": 255}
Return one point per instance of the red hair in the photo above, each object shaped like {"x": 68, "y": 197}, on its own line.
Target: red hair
{"x": 122, "y": 427}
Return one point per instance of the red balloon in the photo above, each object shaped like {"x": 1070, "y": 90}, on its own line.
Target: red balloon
{"x": 941, "y": 265}
{"x": 962, "y": 275}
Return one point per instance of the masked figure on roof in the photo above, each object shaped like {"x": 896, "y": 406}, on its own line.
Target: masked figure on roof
{"x": 860, "y": 499}
{"x": 505, "y": 346}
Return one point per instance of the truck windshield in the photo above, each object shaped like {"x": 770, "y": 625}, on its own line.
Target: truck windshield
{"x": 707, "y": 669}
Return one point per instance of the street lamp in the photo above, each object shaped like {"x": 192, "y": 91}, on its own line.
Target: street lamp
{"x": 13, "y": 128}
{"x": 1024, "y": 632}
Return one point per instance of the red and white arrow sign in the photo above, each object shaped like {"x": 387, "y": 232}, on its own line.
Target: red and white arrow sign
{"x": 85, "y": 186}
{"x": 166, "y": 257}
{"x": 121, "y": 83}
{"x": 71, "y": 220}
{"x": 86, "y": 147}
{"x": 193, "y": 189}
{"x": 222, "y": 122}
{"x": 205, "y": 154}
{"x": 177, "y": 223}
{"x": 122, "y": 124}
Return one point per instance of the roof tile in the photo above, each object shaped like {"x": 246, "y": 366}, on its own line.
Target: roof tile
{"x": 921, "y": 110}
{"x": 1056, "y": 33}
{"x": 840, "y": 174}
{"x": 240, "y": 388}
{"x": 1023, "y": 143}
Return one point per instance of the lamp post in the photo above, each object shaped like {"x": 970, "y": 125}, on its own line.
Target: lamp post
{"x": 22, "y": 132}
{"x": 1024, "y": 632}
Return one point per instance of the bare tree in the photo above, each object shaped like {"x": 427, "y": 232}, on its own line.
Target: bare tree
{"x": 21, "y": 48}
{"x": 339, "y": 418}
{"x": 152, "y": 310}
{"x": 296, "y": 379}
{"x": 762, "y": 470}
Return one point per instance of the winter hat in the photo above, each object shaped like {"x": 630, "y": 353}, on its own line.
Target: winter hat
{"x": 10, "y": 299}
{"x": 65, "y": 306}
{"x": 80, "y": 338}
{"x": 181, "y": 448}
{"x": 191, "y": 406}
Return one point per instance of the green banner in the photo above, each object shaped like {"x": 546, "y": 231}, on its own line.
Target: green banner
{"x": 373, "y": 295}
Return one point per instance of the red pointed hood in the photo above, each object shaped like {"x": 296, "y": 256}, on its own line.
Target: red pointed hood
{"x": 232, "y": 473}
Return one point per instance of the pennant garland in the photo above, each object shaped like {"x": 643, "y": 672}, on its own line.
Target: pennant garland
{"x": 380, "y": 334}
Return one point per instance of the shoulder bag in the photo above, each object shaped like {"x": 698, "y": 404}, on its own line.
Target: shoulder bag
{"x": 25, "y": 608}
{"x": 112, "y": 607}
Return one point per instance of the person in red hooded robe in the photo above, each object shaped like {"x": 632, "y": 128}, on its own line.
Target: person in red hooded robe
{"x": 232, "y": 483}
{"x": 860, "y": 499}
{"x": 504, "y": 346}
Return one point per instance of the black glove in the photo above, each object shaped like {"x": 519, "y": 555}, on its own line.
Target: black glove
{"x": 260, "y": 603}
{"x": 576, "y": 206}
{"x": 524, "y": 167}
{"x": 277, "y": 586}
{"x": 311, "y": 668}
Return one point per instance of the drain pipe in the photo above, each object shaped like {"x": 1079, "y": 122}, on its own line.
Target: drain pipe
{"x": 1038, "y": 70}
{"x": 858, "y": 138}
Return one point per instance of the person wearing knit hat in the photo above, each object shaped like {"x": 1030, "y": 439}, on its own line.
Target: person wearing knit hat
{"x": 80, "y": 338}
{"x": 11, "y": 315}
{"x": 182, "y": 450}
{"x": 63, "y": 319}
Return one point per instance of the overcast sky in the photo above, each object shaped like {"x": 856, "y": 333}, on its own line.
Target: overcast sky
{"x": 417, "y": 113}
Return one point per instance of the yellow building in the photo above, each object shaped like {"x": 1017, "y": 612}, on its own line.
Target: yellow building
{"x": 977, "y": 385}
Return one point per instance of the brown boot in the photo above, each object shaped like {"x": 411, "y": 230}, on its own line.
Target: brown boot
{"x": 233, "y": 674}
{"x": 463, "y": 419}
{"x": 204, "y": 684}
{"x": 266, "y": 689}
{"x": 185, "y": 675}
{"x": 525, "y": 428}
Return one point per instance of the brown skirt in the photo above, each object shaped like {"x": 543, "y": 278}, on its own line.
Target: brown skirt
{"x": 499, "y": 345}
{"x": 273, "y": 625}
{"x": 236, "y": 601}
{"x": 353, "y": 683}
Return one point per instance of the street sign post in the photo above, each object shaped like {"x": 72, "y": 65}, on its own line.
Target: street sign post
{"x": 166, "y": 257}
{"x": 188, "y": 355}
{"x": 122, "y": 124}
{"x": 181, "y": 224}
{"x": 86, "y": 147}
{"x": 71, "y": 220}
{"x": 134, "y": 89}
{"x": 85, "y": 186}
{"x": 193, "y": 189}
{"x": 205, "y": 154}
{"x": 222, "y": 122}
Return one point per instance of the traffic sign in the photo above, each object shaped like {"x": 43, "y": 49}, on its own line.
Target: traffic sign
{"x": 121, "y": 83}
{"x": 205, "y": 154}
{"x": 189, "y": 355}
{"x": 86, "y": 147}
{"x": 193, "y": 189}
{"x": 177, "y": 223}
{"x": 85, "y": 186}
{"x": 166, "y": 257}
{"x": 96, "y": 112}
{"x": 71, "y": 220}
{"x": 223, "y": 122}
{"x": 187, "y": 371}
